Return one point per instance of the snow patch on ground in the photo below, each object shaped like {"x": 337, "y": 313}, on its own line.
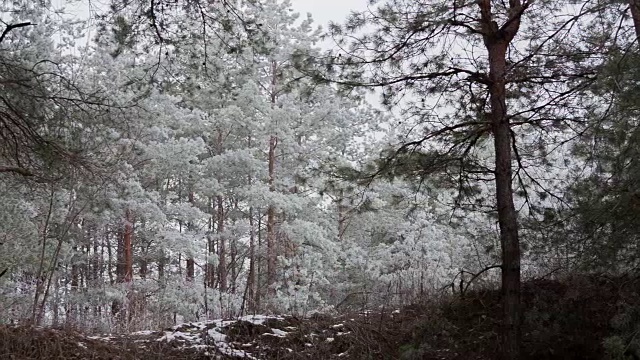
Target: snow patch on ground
{"x": 209, "y": 336}
{"x": 143, "y": 332}
{"x": 279, "y": 333}
{"x": 259, "y": 319}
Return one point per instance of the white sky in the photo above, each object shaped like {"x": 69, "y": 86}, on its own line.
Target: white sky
{"x": 324, "y": 11}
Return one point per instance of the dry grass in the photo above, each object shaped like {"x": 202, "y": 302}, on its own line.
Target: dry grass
{"x": 22, "y": 343}
{"x": 569, "y": 319}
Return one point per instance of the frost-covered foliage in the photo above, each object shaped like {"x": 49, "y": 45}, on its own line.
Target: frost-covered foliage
{"x": 162, "y": 175}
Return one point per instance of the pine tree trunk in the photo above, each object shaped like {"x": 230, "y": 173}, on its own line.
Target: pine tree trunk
{"x": 634, "y": 6}
{"x": 95, "y": 258}
{"x": 222, "y": 263}
{"x": 55, "y": 307}
{"x": 107, "y": 242}
{"x": 161, "y": 264}
{"x": 251, "y": 279}
{"x": 144, "y": 268}
{"x": 128, "y": 248}
{"x": 71, "y": 306}
{"x": 507, "y": 219}
{"x": 234, "y": 256}
{"x": 115, "y": 305}
{"x": 259, "y": 263}
{"x": 144, "y": 254}
{"x": 271, "y": 211}
{"x": 74, "y": 273}
{"x": 40, "y": 277}
{"x": 210, "y": 269}
{"x": 342, "y": 215}
{"x": 222, "y": 251}
{"x": 120, "y": 262}
{"x": 271, "y": 222}
{"x": 101, "y": 267}
{"x": 127, "y": 261}
{"x": 190, "y": 261}
{"x": 497, "y": 41}
{"x": 190, "y": 268}
{"x": 163, "y": 260}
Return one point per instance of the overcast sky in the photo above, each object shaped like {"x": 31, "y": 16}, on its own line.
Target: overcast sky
{"x": 324, "y": 11}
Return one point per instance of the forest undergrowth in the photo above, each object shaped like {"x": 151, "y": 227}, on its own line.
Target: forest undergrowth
{"x": 577, "y": 317}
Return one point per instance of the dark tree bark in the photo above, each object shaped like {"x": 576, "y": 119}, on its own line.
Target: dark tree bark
{"x": 634, "y": 6}
{"x": 220, "y": 213}
{"x": 190, "y": 261}
{"x": 234, "y": 257}
{"x": 161, "y": 264}
{"x": 128, "y": 247}
{"x": 271, "y": 211}
{"x": 144, "y": 268}
{"x": 259, "y": 263}
{"x": 210, "y": 268}
{"x": 222, "y": 251}
{"x": 71, "y": 306}
{"x": 271, "y": 220}
{"x": 343, "y": 209}
{"x": 251, "y": 280}
{"x": 11, "y": 27}
{"x": 497, "y": 42}
{"x": 74, "y": 273}
{"x": 120, "y": 261}
{"x": 250, "y": 292}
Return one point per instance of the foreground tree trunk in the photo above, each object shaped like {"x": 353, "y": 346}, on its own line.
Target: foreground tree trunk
{"x": 634, "y": 6}
{"x": 497, "y": 42}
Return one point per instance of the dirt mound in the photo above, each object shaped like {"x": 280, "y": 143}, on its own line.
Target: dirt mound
{"x": 581, "y": 317}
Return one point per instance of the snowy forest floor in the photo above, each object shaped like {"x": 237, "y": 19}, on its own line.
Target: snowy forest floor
{"x": 582, "y": 317}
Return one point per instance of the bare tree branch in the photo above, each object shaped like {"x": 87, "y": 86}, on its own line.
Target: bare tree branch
{"x": 10, "y": 27}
